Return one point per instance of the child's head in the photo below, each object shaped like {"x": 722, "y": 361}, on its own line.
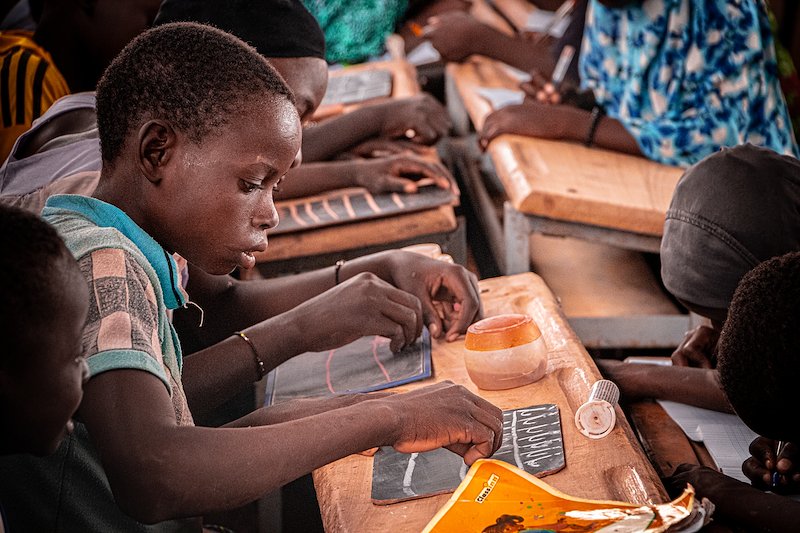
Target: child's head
{"x": 729, "y": 212}
{"x": 43, "y": 305}
{"x": 196, "y": 128}
{"x": 759, "y": 348}
{"x": 283, "y": 31}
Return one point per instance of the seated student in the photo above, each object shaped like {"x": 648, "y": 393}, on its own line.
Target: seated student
{"x": 673, "y": 80}
{"x": 64, "y": 141}
{"x": 296, "y": 47}
{"x": 759, "y": 372}
{"x": 458, "y": 35}
{"x": 72, "y": 44}
{"x": 189, "y": 164}
{"x": 42, "y": 312}
{"x": 729, "y": 212}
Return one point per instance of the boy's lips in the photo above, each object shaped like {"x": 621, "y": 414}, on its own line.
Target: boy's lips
{"x": 247, "y": 259}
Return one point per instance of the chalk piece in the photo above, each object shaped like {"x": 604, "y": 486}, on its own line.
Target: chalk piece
{"x": 531, "y": 440}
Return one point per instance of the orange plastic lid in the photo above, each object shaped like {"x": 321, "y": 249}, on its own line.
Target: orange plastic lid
{"x": 501, "y": 332}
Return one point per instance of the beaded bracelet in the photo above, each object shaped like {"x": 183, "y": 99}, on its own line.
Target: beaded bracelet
{"x": 597, "y": 114}
{"x": 261, "y": 368}
{"x": 337, "y": 267}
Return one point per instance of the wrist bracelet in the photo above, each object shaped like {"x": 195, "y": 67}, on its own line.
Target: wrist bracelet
{"x": 597, "y": 114}
{"x": 339, "y": 264}
{"x": 261, "y": 368}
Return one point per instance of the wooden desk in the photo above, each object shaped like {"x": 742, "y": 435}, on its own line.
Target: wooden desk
{"x": 611, "y": 468}
{"x": 564, "y": 188}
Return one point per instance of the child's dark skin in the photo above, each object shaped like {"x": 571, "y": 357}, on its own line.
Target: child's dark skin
{"x": 211, "y": 203}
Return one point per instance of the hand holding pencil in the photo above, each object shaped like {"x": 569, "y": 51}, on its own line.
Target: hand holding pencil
{"x": 773, "y": 467}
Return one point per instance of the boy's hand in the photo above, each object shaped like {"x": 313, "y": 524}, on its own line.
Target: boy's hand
{"x": 762, "y": 464}
{"x": 449, "y": 293}
{"x": 400, "y": 173}
{"x": 532, "y": 119}
{"x": 455, "y": 34}
{"x": 420, "y": 119}
{"x": 362, "y": 305}
{"x": 632, "y": 379}
{"x": 698, "y": 348}
{"x": 446, "y": 415}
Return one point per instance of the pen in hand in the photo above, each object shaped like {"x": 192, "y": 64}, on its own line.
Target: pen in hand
{"x": 778, "y": 451}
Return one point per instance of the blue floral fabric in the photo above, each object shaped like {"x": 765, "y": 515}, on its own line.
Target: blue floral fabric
{"x": 686, "y": 77}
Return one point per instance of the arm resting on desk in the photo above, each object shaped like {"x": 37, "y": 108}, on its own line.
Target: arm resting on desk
{"x": 693, "y": 386}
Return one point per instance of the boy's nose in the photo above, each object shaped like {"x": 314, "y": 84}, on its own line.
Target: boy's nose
{"x": 266, "y": 216}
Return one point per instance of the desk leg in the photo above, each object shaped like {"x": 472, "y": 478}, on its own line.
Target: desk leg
{"x": 455, "y": 106}
{"x": 517, "y": 243}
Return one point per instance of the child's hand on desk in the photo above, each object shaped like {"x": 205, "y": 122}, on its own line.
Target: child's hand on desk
{"x": 445, "y": 415}
{"x": 448, "y": 293}
{"x": 698, "y": 348}
{"x": 532, "y": 119}
{"x": 359, "y": 306}
{"x": 760, "y": 467}
{"x": 400, "y": 173}
{"x": 420, "y": 119}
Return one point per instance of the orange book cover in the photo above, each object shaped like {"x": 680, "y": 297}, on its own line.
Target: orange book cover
{"x": 496, "y": 497}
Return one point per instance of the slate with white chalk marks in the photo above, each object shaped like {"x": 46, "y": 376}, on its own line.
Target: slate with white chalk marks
{"x": 532, "y": 441}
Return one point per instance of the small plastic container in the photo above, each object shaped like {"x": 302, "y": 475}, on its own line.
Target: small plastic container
{"x": 505, "y": 351}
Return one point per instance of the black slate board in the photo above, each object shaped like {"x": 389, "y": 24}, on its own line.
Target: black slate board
{"x": 364, "y": 365}
{"x": 532, "y": 441}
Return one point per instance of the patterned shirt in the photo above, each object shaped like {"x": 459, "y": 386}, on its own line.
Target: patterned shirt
{"x": 29, "y": 84}
{"x": 686, "y": 77}
{"x": 356, "y": 30}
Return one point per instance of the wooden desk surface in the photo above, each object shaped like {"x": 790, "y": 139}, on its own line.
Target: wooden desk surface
{"x": 567, "y": 181}
{"x": 611, "y": 468}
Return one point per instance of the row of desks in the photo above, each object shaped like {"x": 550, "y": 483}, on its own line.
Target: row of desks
{"x": 553, "y": 188}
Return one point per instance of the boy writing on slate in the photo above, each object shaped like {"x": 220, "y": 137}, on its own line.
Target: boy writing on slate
{"x": 759, "y": 367}
{"x": 196, "y": 130}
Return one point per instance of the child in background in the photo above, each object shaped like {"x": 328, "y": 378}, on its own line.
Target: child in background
{"x": 673, "y": 80}
{"x": 71, "y": 46}
{"x": 759, "y": 370}
{"x": 729, "y": 212}
{"x": 189, "y": 165}
{"x": 43, "y": 305}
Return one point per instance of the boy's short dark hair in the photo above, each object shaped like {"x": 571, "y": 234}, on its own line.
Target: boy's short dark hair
{"x": 194, "y": 76}
{"x": 759, "y": 347}
{"x": 33, "y": 264}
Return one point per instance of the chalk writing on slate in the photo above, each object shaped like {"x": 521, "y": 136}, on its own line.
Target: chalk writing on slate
{"x": 354, "y": 87}
{"x": 366, "y": 364}
{"x": 532, "y": 441}
{"x": 348, "y": 205}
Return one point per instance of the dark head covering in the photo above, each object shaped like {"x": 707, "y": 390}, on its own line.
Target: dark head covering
{"x": 730, "y": 212}
{"x": 276, "y": 28}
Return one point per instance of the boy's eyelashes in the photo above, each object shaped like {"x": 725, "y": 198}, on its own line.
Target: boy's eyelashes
{"x": 249, "y": 186}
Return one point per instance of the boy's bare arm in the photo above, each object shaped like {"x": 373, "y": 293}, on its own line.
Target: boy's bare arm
{"x": 738, "y": 503}
{"x": 421, "y": 114}
{"x": 396, "y": 173}
{"x": 693, "y": 386}
{"x": 158, "y": 470}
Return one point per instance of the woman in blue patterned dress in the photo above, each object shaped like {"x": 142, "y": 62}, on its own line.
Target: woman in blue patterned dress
{"x": 673, "y": 80}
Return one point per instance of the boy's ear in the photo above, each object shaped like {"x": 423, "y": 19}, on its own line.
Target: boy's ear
{"x": 157, "y": 141}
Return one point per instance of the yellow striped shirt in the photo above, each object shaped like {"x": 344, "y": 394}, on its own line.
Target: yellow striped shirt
{"x": 29, "y": 84}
